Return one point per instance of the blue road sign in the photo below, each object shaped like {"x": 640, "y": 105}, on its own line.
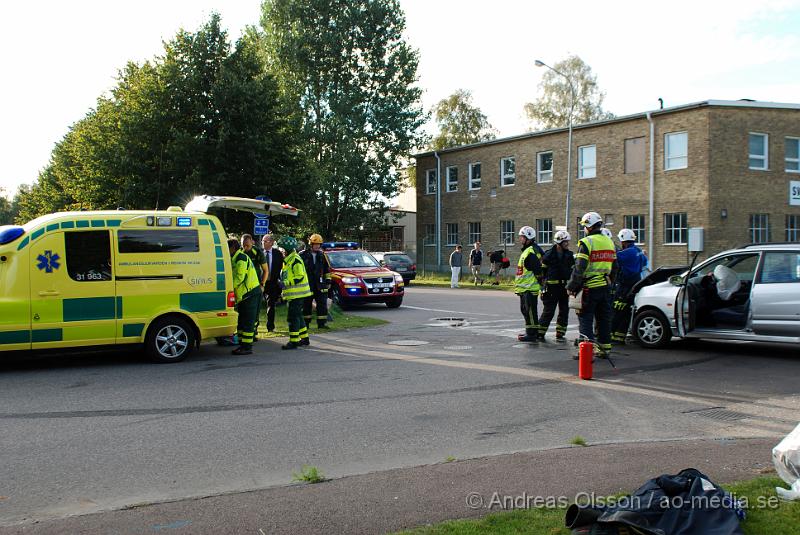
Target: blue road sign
{"x": 261, "y": 226}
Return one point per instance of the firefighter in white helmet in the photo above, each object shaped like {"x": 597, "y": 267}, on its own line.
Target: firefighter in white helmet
{"x": 592, "y": 274}
{"x": 557, "y": 266}
{"x": 526, "y": 283}
{"x": 632, "y": 263}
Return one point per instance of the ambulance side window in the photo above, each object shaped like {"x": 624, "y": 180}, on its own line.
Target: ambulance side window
{"x": 88, "y": 255}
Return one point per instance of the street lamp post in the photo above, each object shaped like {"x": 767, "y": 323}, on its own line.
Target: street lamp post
{"x": 569, "y": 139}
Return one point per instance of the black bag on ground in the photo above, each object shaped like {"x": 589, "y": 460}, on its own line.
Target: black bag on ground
{"x": 684, "y": 504}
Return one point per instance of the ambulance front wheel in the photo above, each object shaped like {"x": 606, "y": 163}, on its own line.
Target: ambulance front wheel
{"x": 169, "y": 339}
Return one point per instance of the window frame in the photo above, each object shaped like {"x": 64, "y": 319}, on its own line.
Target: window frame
{"x": 792, "y": 228}
{"x": 506, "y": 237}
{"x": 430, "y": 187}
{"x": 471, "y": 233}
{"x": 432, "y": 234}
{"x": 448, "y": 185}
{"x": 73, "y": 272}
{"x": 765, "y": 157}
{"x": 540, "y": 233}
{"x": 471, "y": 178}
{"x": 786, "y": 159}
{"x": 681, "y": 229}
{"x": 448, "y": 227}
{"x": 668, "y": 157}
{"x": 504, "y": 176}
{"x": 539, "y": 171}
{"x": 752, "y": 229}
{"x": 635, "y": 229}
{"x": 582, "y": 167}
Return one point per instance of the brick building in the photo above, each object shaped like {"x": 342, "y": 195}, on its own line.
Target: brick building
{"x": 731, "y": 168}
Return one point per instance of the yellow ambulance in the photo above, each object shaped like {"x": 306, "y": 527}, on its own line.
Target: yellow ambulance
{"x": 159, "y": 278}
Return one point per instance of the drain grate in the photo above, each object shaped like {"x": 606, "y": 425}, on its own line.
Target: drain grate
{"x": 458, "y": 348}
{"x": 719, "y": 413}
{"x": 407, "y": 343}
{"x": 448, "y": 319}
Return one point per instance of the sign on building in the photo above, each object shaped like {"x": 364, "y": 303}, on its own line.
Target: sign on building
{"x": 794, "y": 193}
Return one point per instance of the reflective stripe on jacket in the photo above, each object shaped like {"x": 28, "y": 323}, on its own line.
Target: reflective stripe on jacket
{"x": 525, "y": 280}
{"x": 245, "y": 277}
{"x": 294, "y": 278}
{"x": 600, "y": 255}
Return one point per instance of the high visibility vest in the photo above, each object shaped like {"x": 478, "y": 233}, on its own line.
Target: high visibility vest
{"x": 244, "y": 275}
{"x": 601, "y": 256}
{"x": 294, "y": 278}
{"x": 525, "y": 281}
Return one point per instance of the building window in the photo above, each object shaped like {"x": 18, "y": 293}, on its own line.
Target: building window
{"x": 544, "y": 167}
{"x": 759, "y": 228}
{"x": 675, "y": 228}
{"x": 676, "y": 149}
{"x": 793, "y": 228}
{"x": 544, "y": 231}
{"x": 636, "y": 224}
{"x": 474, "y": 228}
{"x": 452, "y": 234}
{"x": 430, "y": 181}
{"x": 507, "y": 232}
{"x": 430, "y": 234}
{"x": 587, "y": 161}
{"x": 608, "y": 220}
{"x": 792, "y": 154}
{"x": 508, "y": 171}
{"x": 475, "y": 175}
{"x": 452, "y": 178}
{"x": 759, "y": 151}
{"x": 88, "y": 256}
{"x": 634, "y": 155}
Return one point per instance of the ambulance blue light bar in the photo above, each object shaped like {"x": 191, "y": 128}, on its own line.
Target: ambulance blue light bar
{"x": 340, "y": 245}
{"x": 184, "y": 221}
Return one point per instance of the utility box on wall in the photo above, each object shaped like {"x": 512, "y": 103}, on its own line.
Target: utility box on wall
{"x": 696, "y": 240}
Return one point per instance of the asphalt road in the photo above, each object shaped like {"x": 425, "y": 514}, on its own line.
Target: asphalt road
{"x": 445, "y": 379}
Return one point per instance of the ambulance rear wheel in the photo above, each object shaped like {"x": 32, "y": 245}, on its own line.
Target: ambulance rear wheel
{"x": 169, "y": 339}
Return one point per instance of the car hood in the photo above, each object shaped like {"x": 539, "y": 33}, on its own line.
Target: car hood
{"x": 660, "y": 293}
{"x": 360, "y": 272}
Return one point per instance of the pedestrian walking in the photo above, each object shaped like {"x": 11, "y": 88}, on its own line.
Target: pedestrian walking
{"x": 475, "y": 260}
{"x": 592, "y": 276}
{"x": 294, "y": 282}
{"x": 256, "y": 256}
{"x": 526, "y": 282}
{"x": 557, "y": 264}
{"x": 272, "y": 288}
{"x": 456, "y": 260}
{"x": 247, "y": 294}
{"x": 632, "y": 263}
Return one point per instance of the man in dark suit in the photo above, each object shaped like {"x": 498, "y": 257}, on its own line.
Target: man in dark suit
{"x": 272, "y": 290}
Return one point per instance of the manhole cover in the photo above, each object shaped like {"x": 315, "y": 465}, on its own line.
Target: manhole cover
{"x": 458, "y": 348}
{"x": 407, "y": 343}
{"x": 448, "y": 319}
{"x": 717, "y": 413}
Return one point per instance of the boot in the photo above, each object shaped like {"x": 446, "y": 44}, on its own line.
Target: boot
{"x": 560, "y": 337}
{"x": 290, "y": 345}
{"x": 305, "y": 342}
{"x": 243, "y": 350}
{"x": 531, "y": 335}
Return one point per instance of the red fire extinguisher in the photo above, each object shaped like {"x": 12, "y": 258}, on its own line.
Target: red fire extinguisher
{"x": 585, "y": 355}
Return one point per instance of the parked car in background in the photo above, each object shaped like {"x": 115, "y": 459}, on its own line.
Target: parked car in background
{"x": 357, "y": 278}
{"x": 398, "y": 262}
{"x": 762, "y": 306}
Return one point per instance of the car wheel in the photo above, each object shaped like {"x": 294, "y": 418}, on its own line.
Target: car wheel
{"x": 339, "y": 300}
{"x": 651, "y": 329}
{"x": 394, "y": 302}
{"x": 169, "y": 339}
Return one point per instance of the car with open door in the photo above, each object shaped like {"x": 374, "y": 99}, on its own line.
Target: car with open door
{"x": 763, "y": 305}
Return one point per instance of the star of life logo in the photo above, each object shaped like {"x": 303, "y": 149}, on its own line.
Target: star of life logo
{"x": 48, "y": 261}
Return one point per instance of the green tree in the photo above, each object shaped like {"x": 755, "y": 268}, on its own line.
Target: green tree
{"x": 6, "y": 209}
{"x": 552, "y": 108}
{"x": 460, "y": 122}
{"x": 203, "y": 118}
{"x": 352, "y": 80}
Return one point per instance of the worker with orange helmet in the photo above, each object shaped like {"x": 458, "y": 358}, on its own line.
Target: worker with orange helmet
{"x": 319, "y": 279}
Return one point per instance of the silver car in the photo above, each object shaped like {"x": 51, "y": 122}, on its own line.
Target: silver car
{"x": 765, "y": 308}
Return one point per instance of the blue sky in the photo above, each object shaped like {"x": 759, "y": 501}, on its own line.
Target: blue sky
{"x": 67, "y": 53}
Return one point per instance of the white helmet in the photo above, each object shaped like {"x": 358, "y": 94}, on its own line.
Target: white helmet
{"x": 528, "y": 232}
{"x": 561, "y": 235}
{"x": 626, "y": 234}
{"x": 607, "y": 233}
{"x": 590, "y": 219}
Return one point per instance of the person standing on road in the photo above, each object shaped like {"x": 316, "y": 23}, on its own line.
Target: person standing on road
{"x": 475, "y": 259}
{"x": 256, "y": 256}
{"x": 557, "y": 265}
{"x": 272, "y": 287}
{"x": 456, "y": 260}
{"x": 247, "y": 292}
{"x": 294, "y": 282}
{"x": 593, "y": 275}
{"x": 631, "y": 262}
{"x": 319, "y": 280}
{"x": 526, "y": 283}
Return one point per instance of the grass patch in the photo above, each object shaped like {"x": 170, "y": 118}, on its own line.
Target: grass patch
{"x": 578, "y": 441}
{"x": 309, "y": 474}
{"x": 442, "y": 280}
{"x": 449, "y": 459}
{"x": 340, "y": 322}
{"x": 777, "y": 518}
